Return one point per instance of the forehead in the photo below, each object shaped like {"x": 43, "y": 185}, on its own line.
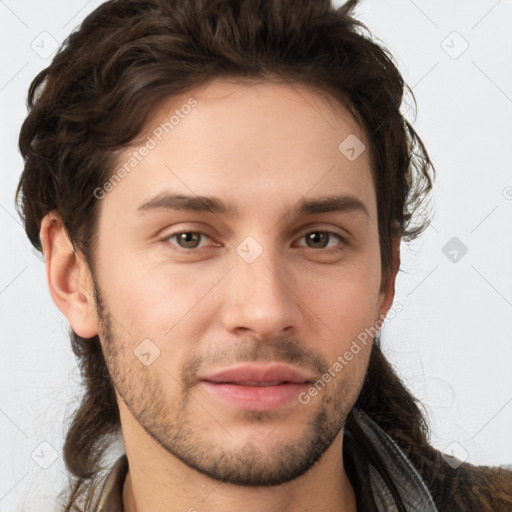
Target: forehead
{"x": 255, "y": 144}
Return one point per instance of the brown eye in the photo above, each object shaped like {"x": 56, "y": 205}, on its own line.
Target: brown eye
{"x": 320, "y": 239}
{"x": 188, "y": 239}
{"x": 317, "y": 240}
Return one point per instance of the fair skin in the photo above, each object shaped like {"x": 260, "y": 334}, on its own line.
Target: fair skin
{"x": 196, "y": 435}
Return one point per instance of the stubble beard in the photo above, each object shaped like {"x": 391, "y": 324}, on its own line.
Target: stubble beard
{"x": 174, "y": 429}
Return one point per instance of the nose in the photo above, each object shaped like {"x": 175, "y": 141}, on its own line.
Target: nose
{"x": 259, "y": 299}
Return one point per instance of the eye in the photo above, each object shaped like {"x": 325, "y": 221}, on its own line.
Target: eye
{"x": 320, "y": 239}
{"x": 188, "y": 239}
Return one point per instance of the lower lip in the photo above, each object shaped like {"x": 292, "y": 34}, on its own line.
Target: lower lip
{"x": 257, "y": 398}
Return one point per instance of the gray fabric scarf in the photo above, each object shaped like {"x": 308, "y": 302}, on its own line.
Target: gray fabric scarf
{"x": 407, "y": 481}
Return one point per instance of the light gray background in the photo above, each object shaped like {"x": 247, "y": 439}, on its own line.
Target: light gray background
{"x": 451, "y": 343}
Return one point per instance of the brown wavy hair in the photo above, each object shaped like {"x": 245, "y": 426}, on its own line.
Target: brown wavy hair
{"x": 95, "y": 98}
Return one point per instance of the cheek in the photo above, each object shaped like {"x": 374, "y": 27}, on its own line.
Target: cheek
{"x": 155, "y": 301}
{"x": 344, "y": 301}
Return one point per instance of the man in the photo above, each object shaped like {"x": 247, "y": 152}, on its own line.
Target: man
{"x": 220, "y": 190}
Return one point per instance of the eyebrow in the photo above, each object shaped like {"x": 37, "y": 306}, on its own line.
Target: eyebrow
{"x": 216, "y": 206}
{"x": 168, "y": 201}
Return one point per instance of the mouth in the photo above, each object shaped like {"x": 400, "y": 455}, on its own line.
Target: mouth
{"x": 257, "y": 387}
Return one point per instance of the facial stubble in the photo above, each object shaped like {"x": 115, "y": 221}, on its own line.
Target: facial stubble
{"x": 141, "y": 389}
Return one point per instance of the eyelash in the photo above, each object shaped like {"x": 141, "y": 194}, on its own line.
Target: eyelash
{"x": 325, "y": 231}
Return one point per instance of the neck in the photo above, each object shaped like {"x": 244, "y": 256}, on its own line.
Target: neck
{"x": 158, "y": 482}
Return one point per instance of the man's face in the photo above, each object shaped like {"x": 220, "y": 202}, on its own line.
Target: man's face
{"x": 241, "y": 310}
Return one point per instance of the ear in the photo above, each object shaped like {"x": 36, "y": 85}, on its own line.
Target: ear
{"x": 69, "y": 278}
{"x": 387, "y": 292}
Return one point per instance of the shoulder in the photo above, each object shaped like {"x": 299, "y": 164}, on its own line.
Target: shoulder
{"x": 463, "y": 487}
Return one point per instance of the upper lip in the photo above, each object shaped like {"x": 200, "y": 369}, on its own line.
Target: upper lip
{"x": 258, "y": 374}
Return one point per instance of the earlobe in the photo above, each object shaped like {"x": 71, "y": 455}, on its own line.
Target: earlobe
{"x": 68, "y": 276}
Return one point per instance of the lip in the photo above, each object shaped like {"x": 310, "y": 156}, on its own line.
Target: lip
{"x": 259, "y": 374}
{"x": 257, "y": 387}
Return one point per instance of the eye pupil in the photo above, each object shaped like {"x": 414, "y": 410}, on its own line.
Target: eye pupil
{"x": 190, "y": 239}
{"x": 318, "y": 237}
